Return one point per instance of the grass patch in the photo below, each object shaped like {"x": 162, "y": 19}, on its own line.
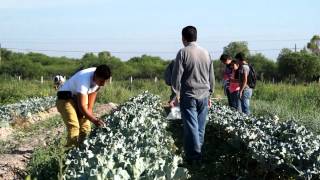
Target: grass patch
{"x": 121, "y": 91}
{"x": 300, "y": 103}
{"x": 12, "y": 90}
{"x": 47, "y": 162}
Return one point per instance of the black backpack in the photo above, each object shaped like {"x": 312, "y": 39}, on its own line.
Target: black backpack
{"x": 252, "y": 77}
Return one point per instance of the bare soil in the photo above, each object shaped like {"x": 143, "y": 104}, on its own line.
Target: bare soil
{"x": 13, "y": 164}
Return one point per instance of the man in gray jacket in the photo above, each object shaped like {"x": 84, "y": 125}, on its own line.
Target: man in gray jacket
{"x": 193, "y": 81}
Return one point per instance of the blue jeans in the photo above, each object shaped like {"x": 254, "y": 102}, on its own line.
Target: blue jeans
{"x": 235, "y": 101}
{"x": 194, "y": 114}
{"x": 245, "y": 100}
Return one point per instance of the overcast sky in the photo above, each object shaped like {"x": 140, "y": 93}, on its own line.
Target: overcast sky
{"x": 132, "y": 28}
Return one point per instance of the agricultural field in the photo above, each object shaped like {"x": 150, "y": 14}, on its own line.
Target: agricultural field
{"x": 266, "y": 145}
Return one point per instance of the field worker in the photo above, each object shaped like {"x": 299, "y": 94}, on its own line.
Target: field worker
{"x": 58, "y": 81}
{"x": 245, "y": 91}
{"x": 226, "y": 59}
{"x": 193, "y": 80}
{"x": 76, "y": 99}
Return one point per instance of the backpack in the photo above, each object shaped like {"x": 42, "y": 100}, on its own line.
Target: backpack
{"x": 252, "y": 77}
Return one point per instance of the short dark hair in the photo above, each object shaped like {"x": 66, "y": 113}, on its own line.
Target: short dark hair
{"x": 241, "y": 56}
{"x": 189, "y": 33}
{"x": 225, "y": 57}
{"x": 103, "y": 71}
{"x": 234, "y": 62}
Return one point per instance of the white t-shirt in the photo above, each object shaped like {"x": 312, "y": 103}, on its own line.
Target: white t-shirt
{"x": 81, "y": 82}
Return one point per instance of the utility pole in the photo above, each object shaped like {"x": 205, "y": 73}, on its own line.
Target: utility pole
{"x": 295, "y": 47}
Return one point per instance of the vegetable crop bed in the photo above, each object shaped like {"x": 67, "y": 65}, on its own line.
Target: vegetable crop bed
{"x": 24, "y": 109}
{"x": 134, "y": 145}
{"x": 261, "y": 147}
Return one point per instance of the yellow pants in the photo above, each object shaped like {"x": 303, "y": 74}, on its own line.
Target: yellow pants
{"x": 78, "y": 128}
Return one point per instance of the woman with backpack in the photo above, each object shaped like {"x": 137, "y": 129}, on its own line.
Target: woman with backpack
{"x": 247, "y": 82}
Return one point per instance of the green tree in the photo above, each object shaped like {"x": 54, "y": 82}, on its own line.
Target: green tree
{"x": 235, "y": 47}
{"x": 300, "y": 65}
{"x": 89, "y": 55}
{"x": 104, "y": 55}
{"x": 314, "y": 45}
{"x": 147, "y": 66}
{"x": 265, "y": 68}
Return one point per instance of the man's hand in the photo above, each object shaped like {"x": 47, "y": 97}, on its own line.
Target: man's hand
{"x": 209, "y": 103}
{"x": 240, "y": 94}
{"x": 172, "y": 103}
{"x": 99, "y": 123}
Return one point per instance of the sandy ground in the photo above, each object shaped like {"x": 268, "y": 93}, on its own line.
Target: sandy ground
{"x": 13, "y": 164}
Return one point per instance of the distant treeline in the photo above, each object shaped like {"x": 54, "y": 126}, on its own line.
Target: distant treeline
{"x": 301, "y": 66}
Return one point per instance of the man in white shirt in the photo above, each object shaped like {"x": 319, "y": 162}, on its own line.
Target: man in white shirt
{"x": 76, "y": 99}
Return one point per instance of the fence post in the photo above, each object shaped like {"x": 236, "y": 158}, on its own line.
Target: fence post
{"x": 130, "y": 79}
{"x": 19, "y": 77}
{"x": 273, "y": 80}
{"x": 156, "y": 79}
{"x": 41, "y": 79}
{"x": 110, "y": 79}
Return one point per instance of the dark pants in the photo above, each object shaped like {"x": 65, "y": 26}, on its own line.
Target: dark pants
{"x": 228, "y": 94}
{"x": 194, "y": 114}
{"x": 235, "y": 101}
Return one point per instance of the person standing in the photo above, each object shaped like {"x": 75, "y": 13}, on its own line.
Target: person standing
{"x": 76, "y": 99}
{"x": 193, "y": 81}
{"x": 226, "y": 59}
{"x": 245, "y": 91}
{"x": 234, "y": 87}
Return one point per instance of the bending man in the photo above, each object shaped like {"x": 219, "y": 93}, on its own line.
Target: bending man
{"x": 76, "y": 99}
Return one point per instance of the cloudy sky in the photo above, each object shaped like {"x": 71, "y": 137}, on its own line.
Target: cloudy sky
{"x": 132, "y": 28}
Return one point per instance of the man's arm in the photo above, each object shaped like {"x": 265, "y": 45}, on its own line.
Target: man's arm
{"x": 211, "y": 78}
{"x": 82, "y": 98}
{"x": 211, "y": 81}
{"x": 91, "y": 101}
{"x": 177, "y": 74}
{"x": 244, "y": 82}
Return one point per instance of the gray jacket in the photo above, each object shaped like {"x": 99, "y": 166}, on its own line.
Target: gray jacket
{"x": 193, "y": 74}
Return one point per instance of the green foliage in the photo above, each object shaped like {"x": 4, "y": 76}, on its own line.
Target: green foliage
{"x": 265, "y": 68}
{"x": 148, "y": 67}
{"x": 314, "y": 45}
{"x": 289, "y": 102}
{"x": 121, "y": 91}
{"x": 47, "y": 162}
{"x": 300, "y": 65}
{"x": 13, "y": 90}
{"x": 35, "y": 65}
{"x": 218, "y": 69}
{"x": 235, "y": 47}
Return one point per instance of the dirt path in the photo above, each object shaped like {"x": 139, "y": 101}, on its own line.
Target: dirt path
{"x": 13, "y": 164}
